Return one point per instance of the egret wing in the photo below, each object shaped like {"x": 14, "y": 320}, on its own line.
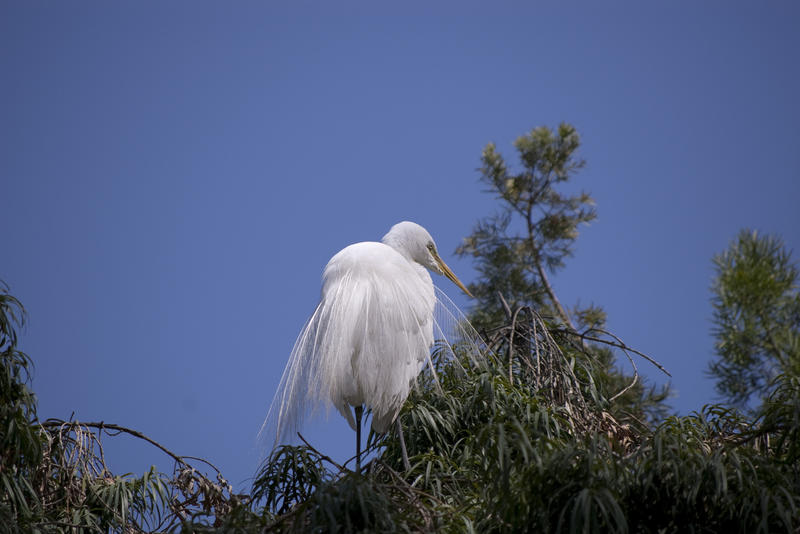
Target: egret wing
{"x": 364, "y": 344}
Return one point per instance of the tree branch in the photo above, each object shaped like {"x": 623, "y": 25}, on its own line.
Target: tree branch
{"x": 55, "y": 423}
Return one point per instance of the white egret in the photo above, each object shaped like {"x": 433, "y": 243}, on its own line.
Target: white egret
{"x": 370, "y": 335}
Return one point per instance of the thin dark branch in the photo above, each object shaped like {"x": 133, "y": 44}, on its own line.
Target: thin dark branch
{"x": 203, "y": 460}
{"x": 103, "y": 426}
{"x": 323, "y": 456}
{"x": 633, "y": 382}
{"x": 618, "y": 344}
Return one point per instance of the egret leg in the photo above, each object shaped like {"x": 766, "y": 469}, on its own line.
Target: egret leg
{"x": 403, "y": 450}
{"x": 359, "y": 412}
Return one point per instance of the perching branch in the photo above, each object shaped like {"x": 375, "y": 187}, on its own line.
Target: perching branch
{"x": 322, "y": 456}
{"x": 618, "y": 343}
{"x": 103, "y": 426}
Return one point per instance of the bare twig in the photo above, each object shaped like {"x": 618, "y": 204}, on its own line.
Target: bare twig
{"x": 54, "y": 423}
{"x": 322, "y": 456}
{"x": 619, "y": 344}
{"x": 633, "y": 382}
{"x": 202, "y": 460}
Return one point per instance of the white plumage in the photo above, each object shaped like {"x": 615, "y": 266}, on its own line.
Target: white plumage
{"x": 370, "y": 334}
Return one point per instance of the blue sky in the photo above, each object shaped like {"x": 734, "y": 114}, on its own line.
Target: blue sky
{"x": 175, "y": 175}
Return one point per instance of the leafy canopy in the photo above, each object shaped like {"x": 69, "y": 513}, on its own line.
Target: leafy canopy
{"x": 517, "y": 249}
{"x": 535, "y": 229}
{"x": 756, "y": 303}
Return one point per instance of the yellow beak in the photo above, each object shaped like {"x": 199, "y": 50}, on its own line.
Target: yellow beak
{"x": 449, "y": 274}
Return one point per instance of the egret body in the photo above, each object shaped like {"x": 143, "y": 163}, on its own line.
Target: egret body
{"x": 369, "y": 336}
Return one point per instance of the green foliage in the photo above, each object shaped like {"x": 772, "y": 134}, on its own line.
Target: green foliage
{"x": 20, "y": 443}
{"x": 492, "y": 452}
{"x": 756, "y": 317}
{"x": 352, "y": 504}
{"x": 535, "y": 229}
{"x": 288, "y": 478}
{"x": 697, "y": 473}
{"x": 17, "y": 401}
{"x": 531, "y": 236}
{"x": 780, "y": 416}
{"x": 295, "y": 491}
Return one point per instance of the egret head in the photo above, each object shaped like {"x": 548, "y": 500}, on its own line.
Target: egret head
{"x": 415, "y": 243}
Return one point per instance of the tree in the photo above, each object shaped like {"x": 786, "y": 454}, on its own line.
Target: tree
{"x": 517, "y": 444}
{"x": 534, "y": 231}
{"x": 756, "y": 317}
{"x": 517, "y": 249}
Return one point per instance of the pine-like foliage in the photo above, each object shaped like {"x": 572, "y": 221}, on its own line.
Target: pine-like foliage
{"x": 535, "y": 228}
{"x": 756, "y": 300}
{"x": 530, "y": 237}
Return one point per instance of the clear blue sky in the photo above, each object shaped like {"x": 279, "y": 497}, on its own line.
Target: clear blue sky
{"x": 175, "y": 175}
